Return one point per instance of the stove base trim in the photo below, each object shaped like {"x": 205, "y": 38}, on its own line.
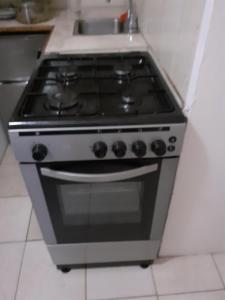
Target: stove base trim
{"x": 72, "y": 254}
{"x": 144, "y": 264}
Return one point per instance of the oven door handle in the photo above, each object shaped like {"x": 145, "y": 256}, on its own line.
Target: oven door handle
{"x": 94, "y": 178}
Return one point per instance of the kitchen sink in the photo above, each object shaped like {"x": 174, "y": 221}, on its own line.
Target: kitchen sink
{"x": 99, "y": 27}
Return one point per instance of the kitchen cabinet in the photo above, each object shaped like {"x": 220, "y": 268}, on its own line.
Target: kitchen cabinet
{"x": 18, "y": 55}
{"x": 3, "y": 141}
{"x": 9, "y": 96}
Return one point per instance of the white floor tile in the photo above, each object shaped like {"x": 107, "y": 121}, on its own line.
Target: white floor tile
{"x": 34, "y": 232}
{"x": 9, "y": 157}
{"x": 10, "y": 261}
{"x": 119, "y": 282}
{"x": 11, "y": 181}
{"x": 40, "y": 280}
{"x": 220, "y": 295}
{"x": 186, "y": 274}
{"x": 14, "y": 218}
{"x": 142, "y": 298}
{"x": 220, "y": 262}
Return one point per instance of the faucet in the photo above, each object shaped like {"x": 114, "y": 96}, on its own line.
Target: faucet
{"x": 132, "y": 17}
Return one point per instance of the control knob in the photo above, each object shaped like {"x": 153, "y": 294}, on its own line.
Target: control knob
{"x": 119, "y": 149}
{"x": 100, "y": 149}
{"x": 139, "y": 148}
{"x": 39, "y": 152}
{"x": 158, "y": 147}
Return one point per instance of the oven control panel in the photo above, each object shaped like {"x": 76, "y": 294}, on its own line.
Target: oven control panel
{"x": 119, "y": 149}
{"x": 98, "y": 145}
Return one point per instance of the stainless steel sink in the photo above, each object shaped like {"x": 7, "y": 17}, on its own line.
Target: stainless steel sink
{"x": 99, "y": 27}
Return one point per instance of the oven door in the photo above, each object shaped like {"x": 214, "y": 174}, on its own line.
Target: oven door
{"x": 100, "y": 201}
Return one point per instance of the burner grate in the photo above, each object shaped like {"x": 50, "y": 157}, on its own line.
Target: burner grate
{"x": 100, "y": 85}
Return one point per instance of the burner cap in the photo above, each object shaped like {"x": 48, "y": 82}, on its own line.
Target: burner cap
{"x": 67, "y": 75}
{"x": 129, "y": 101}
{"x": 128, "y": 97}
{"x": 128, "y": 109}
{"x": 62, "y": 100}
{"x": 122, "y": 70}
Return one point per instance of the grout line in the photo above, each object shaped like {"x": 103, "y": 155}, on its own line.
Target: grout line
{"x": 218, "y": 271}
{"x": 131, "y": 297}
{"x": 12, "y": 242}
{"x": 29, "y": 223}
{"x": 21, "y": 264}
{"x": 35, "y": 241}
{"x": 191, "y": 292}
{"x": 15, "y": 196}
{"x": 4, "y": 154}
{"x": 154, "y": 281}
{"x": 20, "y": 271}
{"x": 85, "y": 285}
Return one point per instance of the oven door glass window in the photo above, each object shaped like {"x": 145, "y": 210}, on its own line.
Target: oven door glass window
{"x": 101, "y": 201}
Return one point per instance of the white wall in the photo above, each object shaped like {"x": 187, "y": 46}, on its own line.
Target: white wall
{"x": 87, "y": 3}
{"x": 196, "y": 222}
{"x": 171, "y": 28}
{"x": 103, "y": 3}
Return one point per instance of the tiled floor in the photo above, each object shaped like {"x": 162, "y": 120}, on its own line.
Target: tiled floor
{"x": 27, "y": 272}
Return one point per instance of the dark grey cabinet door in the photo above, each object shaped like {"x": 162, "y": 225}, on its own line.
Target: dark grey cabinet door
{"x": 9, "y": 97}
{"x": 18, "y": 53}
{"x": 3, "y": 141}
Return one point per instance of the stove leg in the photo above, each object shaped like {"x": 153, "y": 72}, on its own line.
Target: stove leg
{"x": 147, "y": 264}
{"x": 64, "y": 269}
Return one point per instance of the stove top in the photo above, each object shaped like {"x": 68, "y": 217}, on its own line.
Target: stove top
{"x": 96, "y": 89}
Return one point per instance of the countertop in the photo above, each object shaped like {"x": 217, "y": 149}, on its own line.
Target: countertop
{"x": 63, "y": 41}
{"x": 13, "y": 26}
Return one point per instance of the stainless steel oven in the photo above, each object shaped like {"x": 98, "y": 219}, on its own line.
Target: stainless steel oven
{"x": 102, "y": 211}
{"x": 98, "y": 138}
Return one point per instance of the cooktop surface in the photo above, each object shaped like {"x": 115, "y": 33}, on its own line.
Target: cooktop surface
{"x": 99, "y": 88}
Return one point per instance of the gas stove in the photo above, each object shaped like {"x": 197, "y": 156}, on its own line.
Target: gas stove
{"x": 101, "y": 135}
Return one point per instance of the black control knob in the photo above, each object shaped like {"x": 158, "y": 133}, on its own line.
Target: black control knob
{"x": 39, "y": 152}
{"x": 139, "y": 148}
{"x": 100, "y": 149}
{"x": 119, "y": 149}
{"x": 158, "y": 147}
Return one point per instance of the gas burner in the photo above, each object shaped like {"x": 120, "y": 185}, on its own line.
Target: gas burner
{"x": 129, "y": 95}
{"x": 67, "y": 75}
{"x": 127, "y": 108}
{"x": 129, "y": 102}
{"x": 62, "y": 100}
{"x": 128, "y": 99}
{"x": 122, "y": 72}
